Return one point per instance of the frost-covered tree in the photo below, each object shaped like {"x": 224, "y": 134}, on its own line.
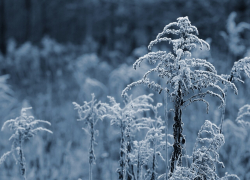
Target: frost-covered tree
{"x": 90, "y": 113}
{"x": 183, "y": 75}
{"x": 128, "y": 119}
{"x": 24, "y": 128}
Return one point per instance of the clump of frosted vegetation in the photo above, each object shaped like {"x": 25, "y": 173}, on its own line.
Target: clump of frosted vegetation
{"x": 205, "y": 153}
{"x": 155, "y": 136}
{"x": 140, "y": 156}
{"x": 183, "y": 75}
{"x": 90, "y": 113}
{"x": 205, "y": 156}
{"x": 242, "y": 65}
{"x": 128, "y": 119}
{"x": 146, "y": 151}
{"x": 232, "y": 37}
{"x": 244, "y": 115}
{"x": 24, "y": 128}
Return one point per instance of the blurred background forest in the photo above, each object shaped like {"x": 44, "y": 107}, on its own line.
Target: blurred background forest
{"x": 59, "y": 51}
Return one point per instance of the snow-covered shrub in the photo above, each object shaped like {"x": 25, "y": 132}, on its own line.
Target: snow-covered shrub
{"x": 128, "y": 119}
{"x": 205, "y": 153}
{"x": 234, "y": 152}
{"x": 90, "y": 113}
{"x": 205, "y": 156}
{"x": 242, "y": 65}
{"x": 156, "y": 136}
{"x": 24, "y": 128}
{"x": 183, "y": 75}
{"x": 140, "y": 156}
{"x": 146, "y": 151}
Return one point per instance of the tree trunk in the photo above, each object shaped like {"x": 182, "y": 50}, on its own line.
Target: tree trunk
{"x": 44, "y": 17}
{"x": 3, "y": 47}
{"x": 138, "y": 163}
{"x": 28, "y": 16}
{"x": 121, "y": 170}
{"x": 130, "y": 172}
{"x": 91, "y": 149}
{"x": 21, "y": 160}
{"x": 153, "y": 176}
{"x": 177, "y": 132}
{"x": 166, "y": 131}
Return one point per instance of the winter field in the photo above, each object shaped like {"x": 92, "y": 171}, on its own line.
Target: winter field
{"x": 128, "y": 90}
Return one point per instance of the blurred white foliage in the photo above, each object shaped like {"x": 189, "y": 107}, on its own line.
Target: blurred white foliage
{"x": 87, "y": 67}
{"x": 50, "y": 47}
{"x": 87, "y": 62}
{"x": 123, "y": 75}
{"x": 235, "y": 152}
{"x": 140, "y": 51}
{"x": 93, "y": 86}
{"x": 5, "y": 90}
{"x": 232, "y": 37}
{"x": 243, "y": 117}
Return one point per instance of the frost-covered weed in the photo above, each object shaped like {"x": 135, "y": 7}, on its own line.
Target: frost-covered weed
{"x": 205, "y": 156}
{"x": 242, "y": 65}
{"x": 24, "y": 128}
{"x": 183, "y": 75}
{"x": 156, "y": 136}
{"x": 90, "y": 113}
{"x": 234, "y": 153}
{"x": 140, "y": 156}
{"x": 205, "y": 153}
{"x": 128, "y": 119}
{"x": 146, "y": 151}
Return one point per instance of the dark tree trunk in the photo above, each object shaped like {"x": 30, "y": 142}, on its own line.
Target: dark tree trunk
{"x": 3, "y": 48}
{"x": 130, "y": 173}
{"x": 44, "y": 18}
{"x": 120, "y": 171}
{"x": 21, "y": 160}
{"x": 138, "y": 163}
{"x": 28, "y": 16}
{"x": 91, "y": 149}
{"x": 153, "y": 176}
{"x": 177, "y": 132}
